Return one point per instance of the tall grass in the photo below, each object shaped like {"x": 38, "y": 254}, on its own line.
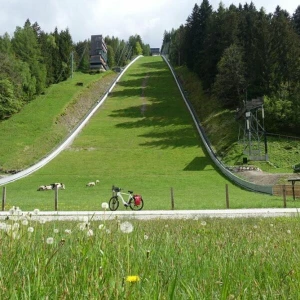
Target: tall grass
{"x": 158, "y": 259}
{"x": 142, "y": 139}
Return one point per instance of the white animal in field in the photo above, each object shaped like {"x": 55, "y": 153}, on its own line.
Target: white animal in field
{"x": 91, "y": 183}
{"x": 97, "y": 181}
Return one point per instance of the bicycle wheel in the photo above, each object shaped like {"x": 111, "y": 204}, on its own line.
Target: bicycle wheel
{"x": 134, "y": 206}
{"x": 113, "y": 203}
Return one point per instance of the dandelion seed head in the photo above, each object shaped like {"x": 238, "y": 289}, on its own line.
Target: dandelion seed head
{"x": 90, "y": 232}
{"x": 288, "y": 232}
{"x": 55, "y": 230}
{"x": 30, "y": 229}
{"x": 49, "y": 240}
{"x": 36, "y": 211}
{"x": 146, "y": 237}
{"x": 203, "y": 223}
{"x": 16, "y": 226}
{"x": 25, "y": 222}
{"x": 42, "y": 221}
{"x": 104, "y": 205}
{"x": 101, "y": 226}
{"x": 68, "y": 231}
{"x": 126, "y": 227}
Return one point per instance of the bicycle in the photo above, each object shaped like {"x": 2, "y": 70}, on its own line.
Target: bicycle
{"x": 135, "y": 202}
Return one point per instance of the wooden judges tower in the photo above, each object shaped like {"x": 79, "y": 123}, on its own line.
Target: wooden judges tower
{"x": 254, "y": 135}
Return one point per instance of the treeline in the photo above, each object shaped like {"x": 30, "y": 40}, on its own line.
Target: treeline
{"x": 31, "y": 60}
{"x": 241, "y": 53}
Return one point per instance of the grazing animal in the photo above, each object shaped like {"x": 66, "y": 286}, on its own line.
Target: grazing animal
{"x": 45, "y": 188}
{"x": 41, "y": 188}
{"x": 59, "y": 185}
{"x": 91, "y": 183}
{"x": 97, "y": 181}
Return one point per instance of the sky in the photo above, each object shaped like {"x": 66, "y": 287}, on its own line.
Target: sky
{"x": 118, "y": 18}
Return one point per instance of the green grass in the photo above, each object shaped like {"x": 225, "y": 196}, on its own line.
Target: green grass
{"x": 173, "y": 259}
{"x": 141, "y": 139}
{"x": 224, "y": 131}
{"x": 29, "y": 135}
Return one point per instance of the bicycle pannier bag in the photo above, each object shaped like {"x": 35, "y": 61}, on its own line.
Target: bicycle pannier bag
{"x": 137, "y": 199}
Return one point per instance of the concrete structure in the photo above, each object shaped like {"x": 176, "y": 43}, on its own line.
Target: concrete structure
{"x": 98, "y": 53}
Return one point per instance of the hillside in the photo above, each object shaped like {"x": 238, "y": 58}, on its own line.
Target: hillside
{"x": 224, "y": 132}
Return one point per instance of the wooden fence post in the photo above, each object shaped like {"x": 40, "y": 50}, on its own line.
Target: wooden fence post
{"x": 172, "y": 199}
{"x": 3, "y": 198}
{"x": 56, "y": 198}
{"x": 227, "y": 196}
{"x": 284, "y": 195}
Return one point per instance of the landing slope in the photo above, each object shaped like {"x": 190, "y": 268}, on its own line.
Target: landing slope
{"x": 142, "y": 138}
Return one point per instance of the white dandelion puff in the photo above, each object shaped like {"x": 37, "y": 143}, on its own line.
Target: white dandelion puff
{"x": 68, "y": 231}
{"x": 126, "y": 227}
{"x": 90, "y": 232}
{"x": 288, "y": 232}
{"x": 203, "y": 223}
{"x": 101, "y": 226}
{"x": 104, "y": 205}
{"x": 36, "y": 211}
{"x": 55, "y": 230}
{"x": 30, "y": 229}
{"x": 49, "y": 240}
{"x": 25, "y": 222}
{"x": 146, "y": 237}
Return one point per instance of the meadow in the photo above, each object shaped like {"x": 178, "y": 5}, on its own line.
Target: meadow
{"x": 248, "y": 258}
{"x": 141, "y": 139}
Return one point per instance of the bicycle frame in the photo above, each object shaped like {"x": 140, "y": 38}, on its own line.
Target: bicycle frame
{"x": 119, "y": 194}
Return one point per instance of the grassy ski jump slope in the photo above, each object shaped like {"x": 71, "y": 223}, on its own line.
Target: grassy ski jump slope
{"x": 141, "y": 139}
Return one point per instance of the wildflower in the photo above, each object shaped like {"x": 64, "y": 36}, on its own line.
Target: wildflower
{"x": 288, "y": 232}
{"x": 36, "y": 211}
{"x": 101, "y": 226}
{"x": 15, "y": 235}
{"x": 272, "y": 225}
{"x": 104, "y": 205}
{"x": 126, "y": 227}
{"x": 49, "y": 240}
{"x": 90, "y": 232}
{"x": 30, "y": 229}
{"x": 42, "y": 221}
{"x": 146, "y": 237}
{"x": 82, "y": 226}
{"x": 16, "y": 226}
{"x": 203, "y": 223}
{"x": 132, "y": 278}
{"x": 55, "y": 230}
{"x": 68, "y": 231}
{"x": 25, "y": 222}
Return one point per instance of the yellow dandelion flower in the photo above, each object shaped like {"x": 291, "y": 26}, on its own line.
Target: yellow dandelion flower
{"x": 132, "y": 278}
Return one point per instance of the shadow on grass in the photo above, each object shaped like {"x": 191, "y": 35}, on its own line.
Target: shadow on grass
{"x": 198, "y": 164}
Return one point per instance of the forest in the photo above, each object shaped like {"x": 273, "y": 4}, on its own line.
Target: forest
{"x": 32, "y": 60}
{"x": 241, "y": 53}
